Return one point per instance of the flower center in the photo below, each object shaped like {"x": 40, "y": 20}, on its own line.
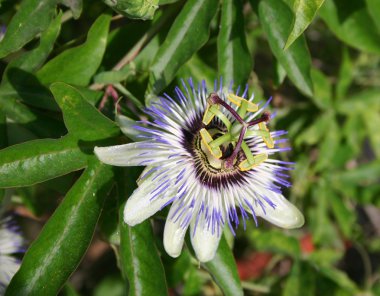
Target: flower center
{"x": 225, "y": 148}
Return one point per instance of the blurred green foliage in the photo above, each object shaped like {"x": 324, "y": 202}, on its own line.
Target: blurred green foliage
{"x": 61, "y": 61}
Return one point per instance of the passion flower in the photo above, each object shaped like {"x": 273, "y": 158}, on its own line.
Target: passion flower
{"x": 209, "y": 155}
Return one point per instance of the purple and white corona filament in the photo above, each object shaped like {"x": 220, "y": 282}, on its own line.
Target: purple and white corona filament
{"x": 209, "y": 155}
{"x": 11, "y": 243}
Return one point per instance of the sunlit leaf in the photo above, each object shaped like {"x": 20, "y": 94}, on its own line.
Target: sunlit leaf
{"x": 275, "y": 241}
{"x": 60, "y": 246}
{"x": 77, "y": 65}
{"x": 304, "y": 13}
{"x": 322, "y": 89}
{"x": 276, "y": 19}
{"x": 188, "y": 33}
{"x": 372, "y": 122}
{"x": 344, "y": 214}
{"x": 33, "y": 120}
{"x": 32, "y": 18}
{"x": 198, "y": 70}
{"x": 18, "y": 80}
{"x": 301, "y": 281}
{"x": 329, "y": 144}
{"x": 350, "y": 22}
{"x": 340, "y": 278}
{"x": 223, "y": 270}
{"x": 360, "y": 102}
{"x": 234, "y": 59}
{"x": 374, "y": 11}
{"x": 139, "y": 258}
{"x": 40, "y": 160}
{"x": 81, "y": 119}
{"x": 345, "y": 75}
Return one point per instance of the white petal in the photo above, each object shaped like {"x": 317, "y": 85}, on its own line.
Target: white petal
{"x": 174, "y": 234}
{"x": 148, "y": 199}
{"x": 204, "y": 242}
{"x": 128, "y": 127}
{"x": 284, "y": 215}
{"x": 132, "y": 154}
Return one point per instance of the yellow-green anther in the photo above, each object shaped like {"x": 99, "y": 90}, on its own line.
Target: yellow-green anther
{"x": 206, "y": 140}
{"x": 268, "y": 140}
{"x": 209, "y": 113}
{"x": 251, "y": 107}
{"x": 258, "y": 159}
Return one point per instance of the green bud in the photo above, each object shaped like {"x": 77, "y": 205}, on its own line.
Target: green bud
{"x": 135, "y": 9}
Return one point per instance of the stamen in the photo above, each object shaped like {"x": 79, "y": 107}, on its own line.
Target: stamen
{"x": 251, "y": 107}
{"x": 212, "y": 145}
{"x": 207, "y": 139}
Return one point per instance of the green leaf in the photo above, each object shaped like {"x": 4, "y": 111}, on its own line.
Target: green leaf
{"x": 77, "y": 65}
{"x": 223, "y": 270}
{"x": 329, "y": 145}
{"x": 36, "y": 122}
{"x": 76, "y": 7}
{"x": 354, "y": 132}
{"x": 193, "y": 282}
{"x": 314, "y": 133}
{"x": 374, "y": 11}
{"x": 111, "y": 285}
{"x": 32, "y": 18}
{"x": 81, "y": 118}
{"x": 351, "y": 23}
{"x": 322, "y": 90}
{"x": 364, "y": 174}
{"x": 18, "y": 80}
{"x": 111, "y": 77}
{"x": 304, "y": 13}
{"x": 176, "y": 269}
{"x": 339, "y": 277}
{"x": 275, "y": 241}
{"x": 3, "y": 130}
{"x": 345, "y": 75}
{"x": 40, "y": 160}
{"x": 139, "y": 259}
{"x": 198, "y": 70}
{"x": 279, "y": 74}
{"x": 372, "y": 121}
{"x": 360, "y": 102}
{"x": 60, "y": 246}
{"x": 301, "y": 281}
{"x": 68, "y": 290}
{"x": 188, "y": 33}
{"x": 344, "y": 215}
{"x": 324, "y": 256}
{"x": 31, "y": 60}
{"x": 276, "y": 19}
{"x": 234, "y": 59}
{"x": 323, "y": 230}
